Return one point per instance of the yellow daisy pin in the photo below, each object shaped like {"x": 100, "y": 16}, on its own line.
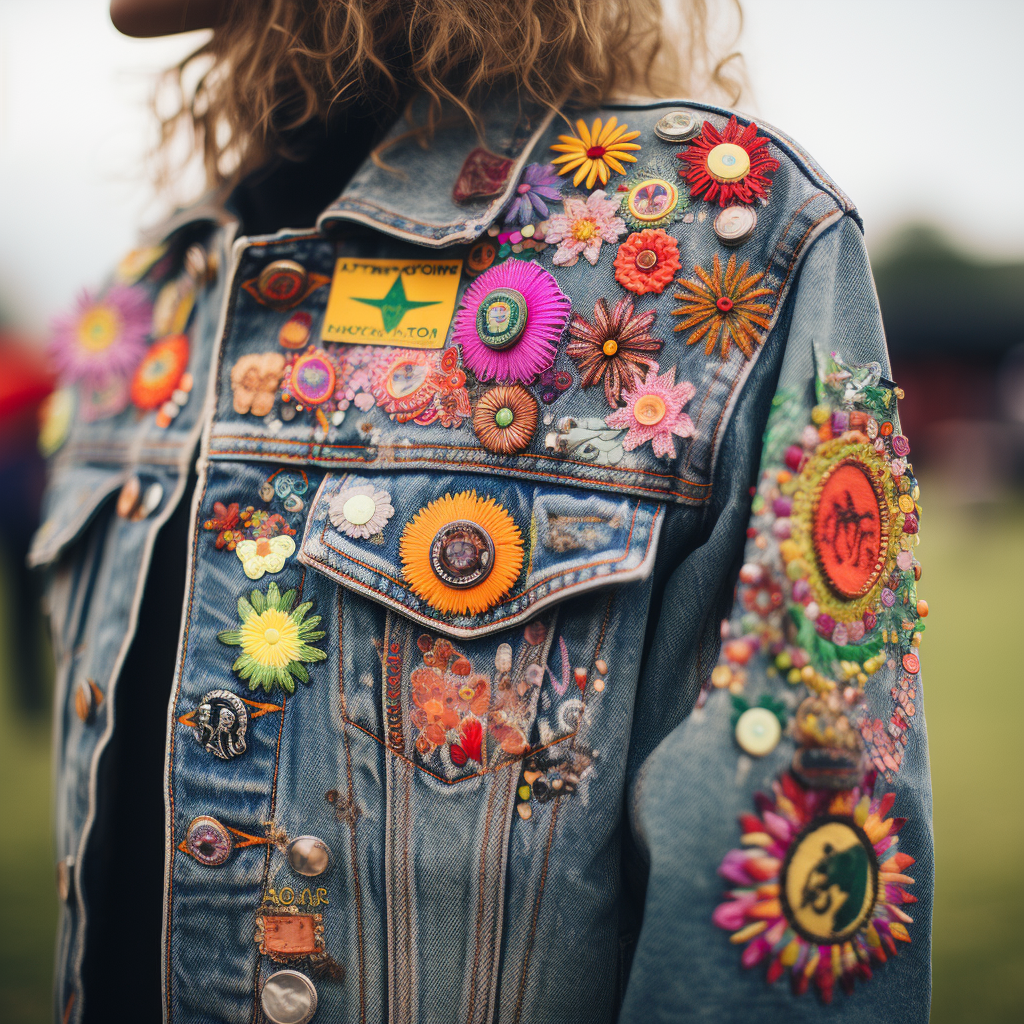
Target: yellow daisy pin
{"x": 595, "y": 150}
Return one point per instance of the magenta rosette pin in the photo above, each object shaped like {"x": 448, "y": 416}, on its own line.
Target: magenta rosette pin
{"x": 510, "y": 321}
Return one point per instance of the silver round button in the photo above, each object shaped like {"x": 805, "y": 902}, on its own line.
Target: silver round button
{"x": 309, "y": 856}
{"x": 678, "y": 126}
{"x": 288, "y": 997}
{"x": 735, "y": 224}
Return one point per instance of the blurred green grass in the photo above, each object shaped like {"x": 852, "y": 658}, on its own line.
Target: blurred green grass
{"x": 974, "y": 701}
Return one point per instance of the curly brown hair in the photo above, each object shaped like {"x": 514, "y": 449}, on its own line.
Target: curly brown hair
{"x": 272, "y": 66}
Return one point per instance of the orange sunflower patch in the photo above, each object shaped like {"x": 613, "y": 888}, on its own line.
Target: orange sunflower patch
{"x": 460, "y": 522}
{"x": 160, "y": 372}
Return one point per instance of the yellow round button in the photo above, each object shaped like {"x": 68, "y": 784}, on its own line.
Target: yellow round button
{"x": 649, "y": 410}
{"x": 610, "y": 347}
{"x": 906, "y": 503}
{"x": 758, "y": 732}
{"x": 728, "y": 162}
{"x": 359, "y": 509}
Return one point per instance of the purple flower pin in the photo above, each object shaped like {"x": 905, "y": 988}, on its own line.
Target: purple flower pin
{"x": 539, "y": 182}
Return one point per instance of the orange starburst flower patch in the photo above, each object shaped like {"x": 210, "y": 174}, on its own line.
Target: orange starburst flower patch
{"x": 722, "y": 306}
{"x": 461, "y": 538}
{"x": 596, "y": 151}
{"x": 160, "y": 371}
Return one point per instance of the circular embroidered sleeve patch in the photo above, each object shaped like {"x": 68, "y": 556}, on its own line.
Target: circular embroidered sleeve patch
{"x": 849, "y": 530}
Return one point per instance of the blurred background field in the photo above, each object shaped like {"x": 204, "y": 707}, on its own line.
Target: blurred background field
{"x": 895, "y": 100}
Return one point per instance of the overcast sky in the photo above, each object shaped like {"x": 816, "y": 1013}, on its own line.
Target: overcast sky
{"x": 913, "y": 106}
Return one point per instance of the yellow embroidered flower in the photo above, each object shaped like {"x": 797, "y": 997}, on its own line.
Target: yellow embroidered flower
{"x": 275, "y": 638}
{"x": 265, "y": 554}
{"x": 595, "y": 151}
{"x": 271, "y": 638}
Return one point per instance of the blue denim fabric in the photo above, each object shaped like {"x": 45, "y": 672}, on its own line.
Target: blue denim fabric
{"x": 444, "y": 902}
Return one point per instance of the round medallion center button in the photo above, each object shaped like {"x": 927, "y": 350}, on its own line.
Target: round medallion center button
{"x": 649, "y": 410}
{"x": 728, "y": 162}
{"x": 359, "y": 509}
{"x": 501, "y": 318}
{"x": 645, "y": 259}
{"x": 462, "y": 554}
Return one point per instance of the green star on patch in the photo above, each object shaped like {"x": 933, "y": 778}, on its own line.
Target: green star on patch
{"x": 395, "y": 305}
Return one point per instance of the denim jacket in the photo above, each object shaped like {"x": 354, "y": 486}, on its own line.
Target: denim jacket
{"x": 550, "y": 642}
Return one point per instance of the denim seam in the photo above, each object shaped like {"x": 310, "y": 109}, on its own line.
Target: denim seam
{"x": 351, "y": 816}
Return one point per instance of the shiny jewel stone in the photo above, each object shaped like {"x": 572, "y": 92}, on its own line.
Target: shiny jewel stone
{"x": 208, "y": 841}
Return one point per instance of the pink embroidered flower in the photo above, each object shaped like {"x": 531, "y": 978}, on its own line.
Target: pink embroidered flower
{"x": 582, "y": 228}
{"x": 654, "y": 412}
{"x": 100, "y": 343}
{"x": 510, "y": 321}
{"x": 361, "y": 511}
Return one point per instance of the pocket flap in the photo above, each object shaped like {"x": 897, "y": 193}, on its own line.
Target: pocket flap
{"x": 571, "y": 541}
{"x": 74, "y": 495}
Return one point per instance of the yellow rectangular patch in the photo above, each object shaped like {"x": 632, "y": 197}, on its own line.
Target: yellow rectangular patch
{"x": 409, "y": 303}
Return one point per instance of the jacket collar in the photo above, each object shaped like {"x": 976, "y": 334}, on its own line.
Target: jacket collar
{"x": 448, "y": 192}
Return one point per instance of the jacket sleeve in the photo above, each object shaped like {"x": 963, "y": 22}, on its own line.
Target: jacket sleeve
{"x": 779, "y": 854}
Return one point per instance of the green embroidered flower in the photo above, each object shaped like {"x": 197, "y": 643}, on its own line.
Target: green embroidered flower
{"x": 275, "y": 639}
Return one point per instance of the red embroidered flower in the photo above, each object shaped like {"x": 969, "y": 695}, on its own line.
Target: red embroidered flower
{"x": 729, "y": 166}
{"x": 225, "y": 519}
{"x": 647, "y": 261}
{"x": 615, "y": 349}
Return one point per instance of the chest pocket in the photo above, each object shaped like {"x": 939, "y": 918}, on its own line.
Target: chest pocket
{"x": 484, "y": 604}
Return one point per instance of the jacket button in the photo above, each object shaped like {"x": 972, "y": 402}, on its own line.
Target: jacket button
{"x": 462, "y": 554}
{"x": 288, "y": 997}
{"x": 501, "y": 318}
{"x": 88, "y": 697}
{"x": 208, "y": 841}
{"x": 678, "y": 126}
{"x": 65, "y": 877}
{"x": 735, "y": 224}
{"x": 282, "y": 281}
{"x": 309, "y": 856}
{"x": 758, "y": 732}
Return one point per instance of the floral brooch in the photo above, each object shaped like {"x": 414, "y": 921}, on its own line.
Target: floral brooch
{"x": 731, "y": 166}
{"x": 582, "y": 228}
{"x": 361, "y": 511}
{"x": 647, "y": 261}
{"x": 596, "y": 151}
{"x": 276, "y": 639}
{"x": 723, "y": 307}
{"x": 510, "y": 321}
{"x": 654, "y": 412}
{"x": 613, "y": 349}
{"x": 461, "y": 554}
{"x": 99, "y": 345}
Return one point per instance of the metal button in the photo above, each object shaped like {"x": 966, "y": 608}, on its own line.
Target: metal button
{"x": 645, "y": 259}
{"x": 309, "y": 856}
{"x": 678, "y": 126}
{"x": 198, "y": 264}
{"x": 220, "y": 723}
{"x": 128, "y": 499}
{"x": 758, "y": 731}
{"x": 288, "y": 997}
{"x": 282, "y": 281}
{"x": 735, "y": 224}
{"x": 728, "y": 162}
{"x": 462, "y": 554}
{"x": 88, "y": 697}
{"x": 208, "y": 841}
{"x": 65, "y": 877}
{"x": 649, "y": 410}
{"x": 501, "y": 318}
{"x": 151, "y": 498}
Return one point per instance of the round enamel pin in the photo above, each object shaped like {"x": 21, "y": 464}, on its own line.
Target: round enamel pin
{"x": 501, "y": 318}
{"x": 678, "y": 126}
